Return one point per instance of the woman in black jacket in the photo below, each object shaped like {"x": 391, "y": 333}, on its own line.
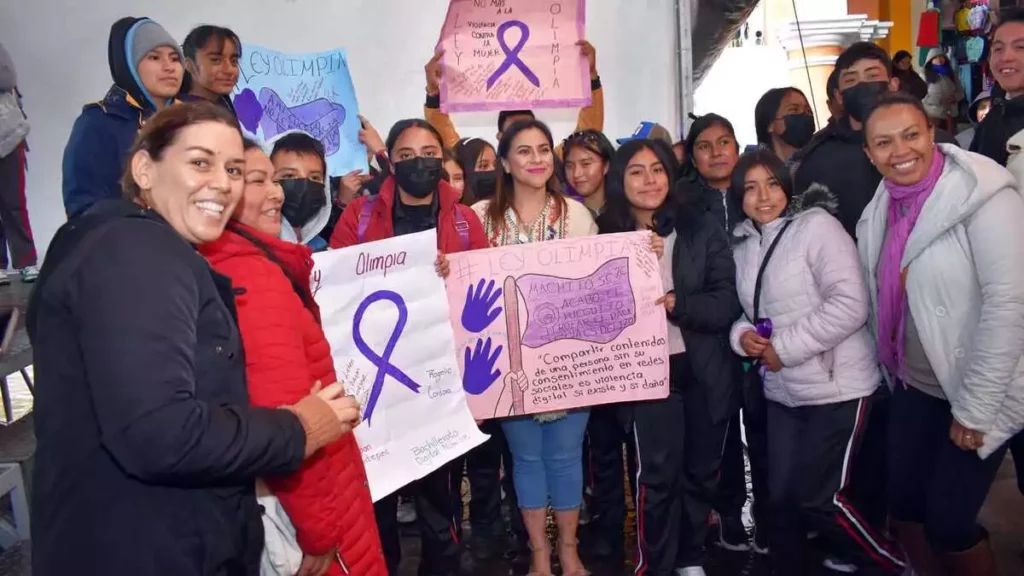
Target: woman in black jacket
{"x": 677, "y": 479}
{"x": 147, "y": 449}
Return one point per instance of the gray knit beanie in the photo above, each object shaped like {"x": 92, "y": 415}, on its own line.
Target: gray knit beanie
{"x": 147, "y": 36}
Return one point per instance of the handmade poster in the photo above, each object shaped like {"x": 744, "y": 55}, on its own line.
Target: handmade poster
{"x": 385, "y": 315}
{"x": 559, "y": 325}
{"x": 513, "y": 54}
{"x": 312, "y": 92}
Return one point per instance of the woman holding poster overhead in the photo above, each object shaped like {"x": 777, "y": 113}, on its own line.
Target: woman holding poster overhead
{"x": 699, "y": 279}
{"x": 414, "y": 198}
{"x": 547, "y": 449}
{"x": 327, "y": 499}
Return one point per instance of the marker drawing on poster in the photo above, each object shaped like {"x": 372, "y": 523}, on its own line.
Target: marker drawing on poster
{"x": 559, "y": 325}
{"x": 312, "y": 92}
{"x": 386, "y": 318}
{"x": 510, "y": 54}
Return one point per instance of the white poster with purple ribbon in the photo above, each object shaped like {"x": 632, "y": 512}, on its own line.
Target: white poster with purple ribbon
{"x": 385, "y": 314}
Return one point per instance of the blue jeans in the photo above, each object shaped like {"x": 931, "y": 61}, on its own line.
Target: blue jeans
{"x": 547, "y": 460}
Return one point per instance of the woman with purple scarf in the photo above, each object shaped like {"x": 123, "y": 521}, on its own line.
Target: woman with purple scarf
{"x": 942, "y": 246}
{"x": 805, "y": 312}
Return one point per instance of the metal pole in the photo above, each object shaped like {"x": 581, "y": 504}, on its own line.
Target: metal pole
{"x": 684, "y": 63}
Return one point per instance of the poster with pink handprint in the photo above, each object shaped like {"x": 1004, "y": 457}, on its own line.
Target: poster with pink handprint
{"x": 559, "y": 325}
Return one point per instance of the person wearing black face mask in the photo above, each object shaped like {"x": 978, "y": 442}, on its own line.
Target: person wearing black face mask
{"x": 479, "y": 166}
{"x": 784, "y": 122}
{"x": 301, "y": 168}
{"x": 835, "y": 157}
{"x": 414, "y": 198}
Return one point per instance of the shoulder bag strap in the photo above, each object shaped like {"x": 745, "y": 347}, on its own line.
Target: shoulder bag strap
{"x": 764, "y": 266}
{"x": 364, "y": 218}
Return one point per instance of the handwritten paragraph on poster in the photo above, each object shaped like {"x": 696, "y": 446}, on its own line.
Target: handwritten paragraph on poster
{"x": 504, "y": 54}
{"x": 559, "y": 325}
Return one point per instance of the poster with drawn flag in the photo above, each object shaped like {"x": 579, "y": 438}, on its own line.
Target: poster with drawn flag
{"x": 385, "y": 314}
{"x": 559, "y": 325}
{"x": 312, "y": 92}
{"x": 513, "y": 54}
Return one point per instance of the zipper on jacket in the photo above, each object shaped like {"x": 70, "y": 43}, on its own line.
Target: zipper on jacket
{"x": 725, "y": 209}
{"x": 341, "y": 562}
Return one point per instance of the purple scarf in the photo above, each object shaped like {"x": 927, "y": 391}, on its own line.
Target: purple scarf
{"x": 905, "y": 206}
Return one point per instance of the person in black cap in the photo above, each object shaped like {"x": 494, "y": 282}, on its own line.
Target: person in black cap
{"x": 145, "y": 64}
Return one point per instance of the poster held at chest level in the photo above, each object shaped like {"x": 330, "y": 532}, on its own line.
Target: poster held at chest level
{"x": 386, "y": 318}
{"x": 559, "y": 325}
{"x": 513, "y": 54}
{"x": 312, "y": 92}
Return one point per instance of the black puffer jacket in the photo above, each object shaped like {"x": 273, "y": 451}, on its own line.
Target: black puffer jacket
{"x": 704, "y": 275}
{"x": 1005, "y": 119}
{"x": 704, "y": 198}
{"x": 147, "y": 447}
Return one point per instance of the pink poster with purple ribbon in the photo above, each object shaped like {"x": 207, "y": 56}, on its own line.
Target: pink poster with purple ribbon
{"x": 559, "y": 325}
{"x": 513, "y": 54}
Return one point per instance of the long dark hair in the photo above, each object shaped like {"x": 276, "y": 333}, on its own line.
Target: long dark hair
{"x": 618, "y": 212}
{"x": 197, "y": 39}
{"x": 502, "y": 200}
{"x": 767, "y": 109}
{"x": 466, "y": 153}
{"x": 767, "y": 160}
{"x": 698, "y": 127}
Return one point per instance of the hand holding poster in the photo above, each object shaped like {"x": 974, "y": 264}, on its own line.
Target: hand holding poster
{"x": 386, "y": 317}
{"x": 509, "y": 54}
{"x": 531, "y": 341}
{"x": 278, "y": 92}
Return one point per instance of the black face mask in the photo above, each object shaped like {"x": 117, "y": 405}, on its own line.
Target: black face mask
{"x": 303, "y": 200}
{"x": 419, "y": 176}
{"x": 799, "y": 129}
{"x": 857, "y": 99}
{"x": 485, "y": 184}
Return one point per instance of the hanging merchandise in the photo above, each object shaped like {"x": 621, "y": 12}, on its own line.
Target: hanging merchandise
{"x": 928, "y": 29}
{"x": 962, "y": 20}
{"x": 974, "y": 47}
{"x": 977, "y": 19}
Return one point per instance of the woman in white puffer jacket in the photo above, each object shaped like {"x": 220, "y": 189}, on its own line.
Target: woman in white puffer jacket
{"x": 818, "y": 359}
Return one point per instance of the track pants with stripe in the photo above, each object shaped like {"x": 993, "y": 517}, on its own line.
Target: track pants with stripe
{"x": 679, "y": 453}
{"x": 810, "y": 454}
{"x": 435, "y": 519}
{"x": 14, "y": 210}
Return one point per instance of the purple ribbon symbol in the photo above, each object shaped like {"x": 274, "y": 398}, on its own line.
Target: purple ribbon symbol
{"x": 382, "y": 361}
{"x": 512, "y": 56}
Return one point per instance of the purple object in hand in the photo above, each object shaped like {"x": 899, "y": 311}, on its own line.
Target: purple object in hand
{"x": 764, "y": 328}
{"x": 249, "y": 110}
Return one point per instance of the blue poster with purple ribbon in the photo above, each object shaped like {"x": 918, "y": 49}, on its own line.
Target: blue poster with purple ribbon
{"x": 385, "y": 315}
{"x": 312, "y": 92}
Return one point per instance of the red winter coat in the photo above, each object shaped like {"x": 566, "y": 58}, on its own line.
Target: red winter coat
{"x": 328, "y": 499}
{"x": 380, "y": 226}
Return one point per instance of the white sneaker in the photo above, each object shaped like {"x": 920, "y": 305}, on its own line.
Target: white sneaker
{"x": 836, "y": 565}
{"x": 690, "y": 571}
{"x": 406, "y": 511}
{"x": 6, "y": 276}
{"x": 29, "y": 274}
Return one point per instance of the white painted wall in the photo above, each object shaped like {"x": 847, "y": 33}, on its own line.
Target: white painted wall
{"x": 60, "y": 49}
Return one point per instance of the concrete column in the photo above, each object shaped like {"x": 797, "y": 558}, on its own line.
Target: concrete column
{"x": 825, "y": 31}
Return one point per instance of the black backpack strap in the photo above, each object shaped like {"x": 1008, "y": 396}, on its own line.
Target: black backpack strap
{"x": 764, "y": 266}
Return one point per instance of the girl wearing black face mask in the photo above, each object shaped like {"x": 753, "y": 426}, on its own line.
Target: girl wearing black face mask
{"x": 479, "y": 164}
{"x": 784, "y": 122}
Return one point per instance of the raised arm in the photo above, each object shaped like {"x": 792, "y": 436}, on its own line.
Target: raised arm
{"x": 432, "y": 108}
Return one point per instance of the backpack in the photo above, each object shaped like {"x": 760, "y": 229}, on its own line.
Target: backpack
{"x": 461, "y": 226}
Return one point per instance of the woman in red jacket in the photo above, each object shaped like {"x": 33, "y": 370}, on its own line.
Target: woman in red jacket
{"x": 413, "y": 199}
{"x": 286, "y": 353}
